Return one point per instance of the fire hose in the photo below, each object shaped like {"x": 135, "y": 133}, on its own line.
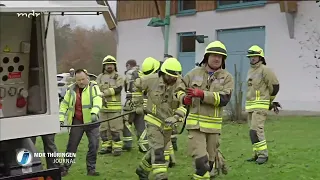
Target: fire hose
{"x": 98, "y": 122}
{"x": 187, "y": 113}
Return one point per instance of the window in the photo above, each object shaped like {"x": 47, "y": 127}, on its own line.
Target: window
{"x": 59, "y": 78}
{"x": 226, "y": 5}
{"x": 187, "y": 43}
{"x": 186, "y": 7}
{"x": 61, "y": 84}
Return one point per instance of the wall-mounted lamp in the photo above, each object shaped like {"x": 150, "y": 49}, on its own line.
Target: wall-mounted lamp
{"x": 200, "y": 38}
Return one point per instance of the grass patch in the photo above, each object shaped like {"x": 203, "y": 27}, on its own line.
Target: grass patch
{"x": 293, "y": 145}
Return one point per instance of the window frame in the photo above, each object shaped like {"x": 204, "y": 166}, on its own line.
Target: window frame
{"x": 185, "y": 34}
{"x": 240, "y": 5}
{"x": 182, "y": 12}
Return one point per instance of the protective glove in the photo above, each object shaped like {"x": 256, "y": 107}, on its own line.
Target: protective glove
{"x": 107, "y": 93}
{"x": 275, "y": 106}
{"x": 195, "y": 92}
{"x": 94, "y": 118}
{"x": 170, "y": 120}
{"x": 140, "y": 110}
{"x": 187, "y": 100}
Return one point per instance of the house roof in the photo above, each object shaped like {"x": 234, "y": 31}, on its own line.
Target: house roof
{"x": 51, "y": 6}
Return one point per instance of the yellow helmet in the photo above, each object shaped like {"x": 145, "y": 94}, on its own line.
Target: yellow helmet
{"x": 215, "y": 47}
{"x": 150, "y": 66}
{"x": 255, "y": 50}
{"x": 109, "y": 60}
{"x": 172, "y": 67}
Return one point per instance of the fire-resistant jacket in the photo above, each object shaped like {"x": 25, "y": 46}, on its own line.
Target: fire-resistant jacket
{"x": 91, "y": 102}
{"x": 161, "y": 99}
{"x": 206, "y": 114}
{"x": 131, "y": 76}
{"x": 113, "y": 83}
{"x": 263, "y": 86}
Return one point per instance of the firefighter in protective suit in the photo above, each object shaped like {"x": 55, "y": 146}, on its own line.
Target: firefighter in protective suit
{"x": 207, "y": 89}
{"x": 71, "y": 79}
{"x": 110, "y": 83}
{"x": 132, "y": 74}
{"x": 263, "y": 86}
{"x": 151, "y": 66}
{"x": 160, "y": 116}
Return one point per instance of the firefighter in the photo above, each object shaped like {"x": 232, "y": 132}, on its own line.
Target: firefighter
{"x": 110, "y": 83}
{"x": 132, "y": 74}
{"x": 81, "y": 105}
{"x": 71, "y": 79}
{"x": 172, "y": 145}
{"x": 263, "y": 86}
{"x": 151, "y": 66}
{"x": 160, "y": 116}
{"x": 206, "y": 89}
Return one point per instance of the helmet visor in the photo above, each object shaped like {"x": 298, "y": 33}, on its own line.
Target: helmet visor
{"x": 148, "y": 72}
{"x": 173, "y": 73}
{"x": 109, "y": 61}
{"x": 253, "y": 53}
{"x": 217, "y": 50}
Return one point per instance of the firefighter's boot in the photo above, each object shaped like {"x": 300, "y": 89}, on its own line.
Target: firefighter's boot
{"x": 252, "y": 159}
{"x": 261, "y": 160}
{"x": 142, "y": 174}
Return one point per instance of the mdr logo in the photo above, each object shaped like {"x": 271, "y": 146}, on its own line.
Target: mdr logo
{"x": 24, "y": 157}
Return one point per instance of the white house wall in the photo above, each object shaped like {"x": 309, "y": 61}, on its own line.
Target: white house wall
{"x": 291, "y": 59}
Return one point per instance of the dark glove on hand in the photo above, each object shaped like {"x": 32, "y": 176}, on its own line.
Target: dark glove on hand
{"x": 275, "y": 106}
{"x": 140, "y": 110}
{"x": 187, "y": 100}
{"x": 94, "y": 118}
{"x": 195, "y": 92}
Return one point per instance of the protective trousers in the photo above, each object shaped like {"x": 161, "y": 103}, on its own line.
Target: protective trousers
{"x": 219, "y": 163}
{"x": 110, "y": 132}
{"x": 203, "y": 149}
{"x": 256, "y": 120}
{"x": 140, "y": 126}
{"x": 75, "y": 137}
{"x": 169, "y": 154}
{"x": 154, "y": 159}
{"x": 49, "y": 146}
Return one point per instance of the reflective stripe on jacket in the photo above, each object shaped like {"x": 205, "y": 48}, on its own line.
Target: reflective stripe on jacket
{"x": 91, "y": 102}
{"x": 161, "y": 100}
{"x": 260, "y": 81}
{"x": 113, "y": 84}
{"x": 206, "y": 114}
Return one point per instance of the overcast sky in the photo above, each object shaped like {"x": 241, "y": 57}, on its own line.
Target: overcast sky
{"x": 82, "y": 20}
{"x": 89, "y": 21}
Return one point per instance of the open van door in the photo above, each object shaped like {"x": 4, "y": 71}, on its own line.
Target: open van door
{"x": 28, "y": 69}
{"x": 40, "y": 69}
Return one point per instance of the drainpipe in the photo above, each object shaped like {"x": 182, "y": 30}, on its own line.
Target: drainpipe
{"x": 167, "y": 27}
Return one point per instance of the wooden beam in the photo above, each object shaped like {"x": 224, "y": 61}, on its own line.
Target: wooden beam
{"x": 288, "y": 6}
{"x": 161, "y": 6}
{"x": 108, "y": 16}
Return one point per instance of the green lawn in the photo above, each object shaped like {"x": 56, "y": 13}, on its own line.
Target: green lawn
{"x": 293, "y": 142}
